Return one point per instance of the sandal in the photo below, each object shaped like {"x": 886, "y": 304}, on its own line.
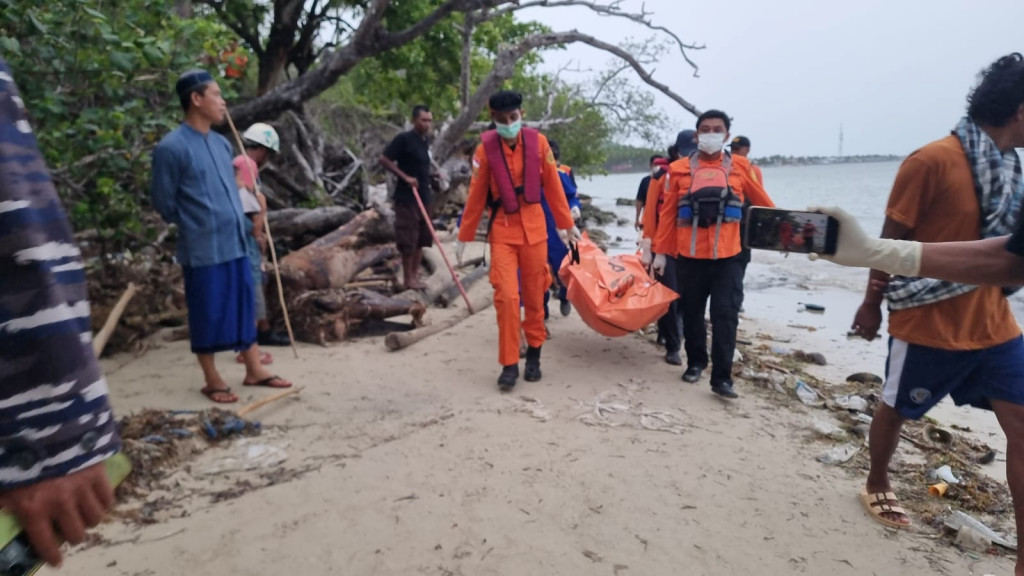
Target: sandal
{"x": 270, "y": 382}
{"x": 879, "y": 503}
{"x": 219, "y": 395}
{"x": 265, "y": 359}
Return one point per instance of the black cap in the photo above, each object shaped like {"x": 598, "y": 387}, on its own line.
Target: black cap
{"x": 740, "y": 142}
{"x": 505, "y": 101}
{"x": 189, "y": 81}
{"x": 685, "y": 146}
{"x": 555, "y": 150}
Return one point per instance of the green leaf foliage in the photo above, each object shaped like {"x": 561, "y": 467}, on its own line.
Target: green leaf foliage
{"x": 98, "y": 79}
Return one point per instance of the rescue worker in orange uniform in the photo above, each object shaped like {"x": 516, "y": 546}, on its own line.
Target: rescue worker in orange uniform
{"x": 699, "y": 226}
{"x": 670, "y": 325}
{"x": 512, "y": 168}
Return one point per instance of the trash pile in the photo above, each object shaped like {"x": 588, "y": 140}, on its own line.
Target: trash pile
{"x": 157, "y": 441}
{"x": 944, "y": 489}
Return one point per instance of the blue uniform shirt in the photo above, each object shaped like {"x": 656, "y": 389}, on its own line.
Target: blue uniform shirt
{"x": 194, "y": 187}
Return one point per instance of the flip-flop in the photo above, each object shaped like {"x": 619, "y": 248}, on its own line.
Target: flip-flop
{"x": 267, "y": 382}
{"x": 219, "y": 392}
{"x": 265, "y": 359}
{"x": 878, "y": 503}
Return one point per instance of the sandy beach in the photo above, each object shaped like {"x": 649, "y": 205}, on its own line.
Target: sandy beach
{"x": 412, "y": 462}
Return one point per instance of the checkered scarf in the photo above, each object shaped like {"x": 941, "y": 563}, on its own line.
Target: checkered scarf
{"x": 999, "y": 185}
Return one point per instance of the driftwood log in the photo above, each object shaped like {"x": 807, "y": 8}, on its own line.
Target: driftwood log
{"x": 472, "y": 262}
{"x": 400, "y": 340}
{"x": 436, "y": 283}
{"x": 334, "y": 260}
{"x": 298, "y": 223}
{"x": 326, "y": 316}
{"x": 451, "y": 295}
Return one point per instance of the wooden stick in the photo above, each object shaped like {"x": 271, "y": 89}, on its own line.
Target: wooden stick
{"x": 270, "y": 240}
{"x": 249, "y": 408}
{"x": 100, "y": 341}
{"x": 399, "y": 340}
{"x": 367, "y": 284}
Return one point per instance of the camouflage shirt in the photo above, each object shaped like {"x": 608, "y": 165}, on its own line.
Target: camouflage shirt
{"x": 54, "y": 414}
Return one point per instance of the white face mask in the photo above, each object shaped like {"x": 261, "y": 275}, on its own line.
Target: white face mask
{"x": 710, "y": 142}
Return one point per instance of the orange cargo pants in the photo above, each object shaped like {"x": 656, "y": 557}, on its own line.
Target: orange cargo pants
{"x": 510, "y": 265}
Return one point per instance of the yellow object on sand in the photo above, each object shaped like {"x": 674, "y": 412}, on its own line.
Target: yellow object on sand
{"x": 938, "y": 490}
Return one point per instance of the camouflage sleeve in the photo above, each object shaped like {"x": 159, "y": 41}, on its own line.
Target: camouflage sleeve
{"x": 54, "y": 414}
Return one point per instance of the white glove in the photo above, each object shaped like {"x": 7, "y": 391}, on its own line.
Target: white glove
{"x": 856, "y": 249}
{"x": 459, "y": 249}
{"x": 646, "y": 257}
{"x": 575, "y": 235}
{"x": 658, "y": 267}
{"x": 575, "y": 212}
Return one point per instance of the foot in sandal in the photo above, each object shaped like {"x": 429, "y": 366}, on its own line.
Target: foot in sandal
{"x": 884, "y": 507}
{"x": 220, "y": 395}
{"x": 267, "y": 380}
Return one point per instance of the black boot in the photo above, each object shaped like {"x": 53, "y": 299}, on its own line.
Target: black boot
{"x": 532, "y": 364}
{"x": 509, "y": 376}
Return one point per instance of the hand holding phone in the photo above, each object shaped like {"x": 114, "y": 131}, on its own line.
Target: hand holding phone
{"x": 791, "y": 231}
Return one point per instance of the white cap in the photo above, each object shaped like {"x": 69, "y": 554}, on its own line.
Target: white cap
{"x": 264, "y": 135}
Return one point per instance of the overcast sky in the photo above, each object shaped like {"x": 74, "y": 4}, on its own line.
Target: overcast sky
{"x": 894, "y": 73}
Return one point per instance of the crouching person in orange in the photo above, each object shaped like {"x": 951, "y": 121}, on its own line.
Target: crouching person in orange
{"x": 512, "y": 168}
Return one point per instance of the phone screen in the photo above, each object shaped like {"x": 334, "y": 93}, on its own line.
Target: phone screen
{"x": 791, "y": 231}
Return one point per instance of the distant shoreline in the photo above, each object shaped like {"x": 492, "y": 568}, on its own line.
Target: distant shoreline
{"x": 773, "y": 161}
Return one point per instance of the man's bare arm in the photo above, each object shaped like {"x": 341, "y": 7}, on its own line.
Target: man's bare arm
{"x": 891, "y": 229}
{"x": 979, "y": 262}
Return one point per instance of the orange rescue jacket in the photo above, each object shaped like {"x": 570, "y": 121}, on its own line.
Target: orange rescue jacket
{"x": 674, "y": 240}
{"x": 527, "y": 226}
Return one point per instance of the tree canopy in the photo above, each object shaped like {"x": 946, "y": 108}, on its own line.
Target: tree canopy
{"x": 98, "y": 79}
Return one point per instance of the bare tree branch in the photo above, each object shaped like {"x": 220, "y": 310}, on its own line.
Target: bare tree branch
{"x": 443, "y": 11}
{"x": 251, "y": 36}
{"x": 368, "y": 40}
{"x": 504, "y": 68}
{"x": 611, "y": 9}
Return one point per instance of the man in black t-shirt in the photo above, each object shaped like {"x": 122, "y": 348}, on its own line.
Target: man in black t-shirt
{"x": 408, "y": 157}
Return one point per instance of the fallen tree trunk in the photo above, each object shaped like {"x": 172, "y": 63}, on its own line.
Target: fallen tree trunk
{"x": 299, "y": 222}
{"x": 451, "y": 295}
{"x": 333, "y": 260}
{"x": 400, "y": 340}
{"x": 472, "y": 262}
{"x": 437, "y": 283}
{"x": 333, "y": 315}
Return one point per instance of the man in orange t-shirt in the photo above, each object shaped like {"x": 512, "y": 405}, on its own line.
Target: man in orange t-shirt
{"x": 700, "y": 227}
{"x": 512, "y": 167}
{"x": 953, "y": 340}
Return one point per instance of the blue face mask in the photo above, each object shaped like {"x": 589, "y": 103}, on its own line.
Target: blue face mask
{"x": 509, "y": 131}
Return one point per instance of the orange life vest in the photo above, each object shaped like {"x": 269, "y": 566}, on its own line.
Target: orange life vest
{"x": 508, "y": 193}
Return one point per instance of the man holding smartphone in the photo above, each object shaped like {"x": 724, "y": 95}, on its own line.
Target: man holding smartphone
{"x": 948, "y": 338}
{"x": 700, "y": 227}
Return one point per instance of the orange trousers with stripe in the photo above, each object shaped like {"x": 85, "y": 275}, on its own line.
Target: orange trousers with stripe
{"x": 510, "y": 265}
